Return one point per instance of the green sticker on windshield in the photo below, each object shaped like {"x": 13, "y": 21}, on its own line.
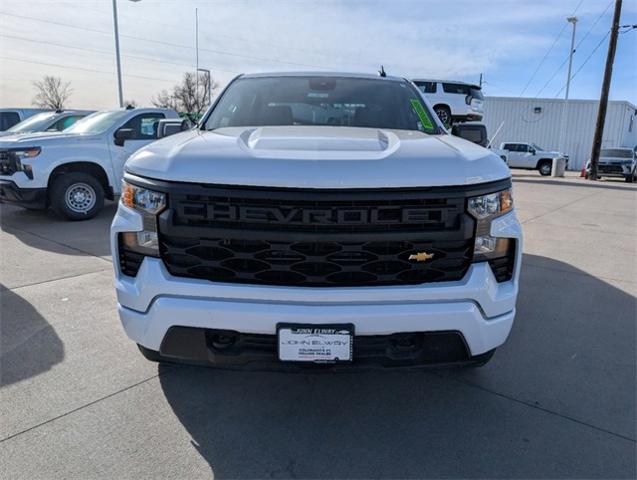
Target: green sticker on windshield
{"x": 420, "y": 111}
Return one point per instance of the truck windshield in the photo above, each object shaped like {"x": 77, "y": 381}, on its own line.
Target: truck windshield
{"x": 98, "y": 122}
{"x": 36, "y": 123}
{"x": 616, "y": 152}
{"x": 322, "y": 101}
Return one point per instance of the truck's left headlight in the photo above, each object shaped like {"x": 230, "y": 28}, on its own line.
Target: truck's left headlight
{"x": 28, "y": 152}
{"x": 484, "y": 209}
{"x": 149, "y": 204}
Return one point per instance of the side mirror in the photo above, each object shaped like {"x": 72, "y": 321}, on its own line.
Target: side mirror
{"x": 475, "y": 133}
{"x": 122, "y": 135}
{"x": 170, "y": 126}
{"x": 532, "y": 151}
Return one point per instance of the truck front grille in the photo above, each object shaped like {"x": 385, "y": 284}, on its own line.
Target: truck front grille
{"x": 315, "y": 263}
{"x": 9, "y": 162}
{"x": 316, "y": 238}
{"x": 617, "y": 169}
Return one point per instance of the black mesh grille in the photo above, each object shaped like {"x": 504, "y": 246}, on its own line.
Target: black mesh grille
{"x": 610, "y": 168}
{"x": 503, "y": 267}
{"x": 316, "y": 238}
{"x": 8, "y": 163}
{"x": 129, "y": 261}
{"x": 322, "y": 263}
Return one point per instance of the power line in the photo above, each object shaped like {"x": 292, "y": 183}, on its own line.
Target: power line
{"x": 234, "y": 38}
{"x": 92, "y": 70}
{"x": 102, "y": 52}
{"x": 161, "y": 42}
{"x": 575, "y": 49}
{"x": 559, "y": 35}
{"x": 584, "y": 63}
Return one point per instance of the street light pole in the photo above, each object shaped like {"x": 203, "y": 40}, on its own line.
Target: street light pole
{"x": 197, "y": 58}
{"x": 119, "y": 63}
{"x": 117, "y": 57}
{"x": 564, "y": 125}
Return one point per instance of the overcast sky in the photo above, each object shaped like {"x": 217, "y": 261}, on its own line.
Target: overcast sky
{"x": 505, "y": 40}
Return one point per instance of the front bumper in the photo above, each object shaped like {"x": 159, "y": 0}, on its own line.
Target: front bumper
{"x": 26, "y": 197}
{"x": 478, "y": 307}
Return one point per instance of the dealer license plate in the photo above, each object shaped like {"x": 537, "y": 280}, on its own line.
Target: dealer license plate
{"x": 315, "y": 343}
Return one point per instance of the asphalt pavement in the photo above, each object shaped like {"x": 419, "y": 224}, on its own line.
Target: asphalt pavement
{"x": 77, "y": 400}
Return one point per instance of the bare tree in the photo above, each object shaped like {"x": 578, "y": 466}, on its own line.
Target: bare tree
{"x": 188, "y": 96}
{"x": 51, "y": 92}
{"x": 165, "y": 99}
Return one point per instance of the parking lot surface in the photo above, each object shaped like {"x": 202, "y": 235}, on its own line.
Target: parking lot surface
{"x": 77, "y": 400}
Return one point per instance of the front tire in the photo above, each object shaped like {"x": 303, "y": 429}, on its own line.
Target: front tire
{"x": 545, "y": 168}
{"x": 632, "y": 178}
{"x": 77, "y": 196}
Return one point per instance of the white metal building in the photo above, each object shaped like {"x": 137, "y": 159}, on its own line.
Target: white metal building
{"x": 539, "y": 120}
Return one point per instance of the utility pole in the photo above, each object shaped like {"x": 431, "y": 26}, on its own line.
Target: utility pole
{"x": 197, "y": 57}
{"x": 480, "y": 80}
{"x": 564, "y": 125}
{"x": 603, "y": 101}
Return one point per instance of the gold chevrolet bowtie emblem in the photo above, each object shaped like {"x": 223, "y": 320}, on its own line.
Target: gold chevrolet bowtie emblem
{"x": 421, "y": 256}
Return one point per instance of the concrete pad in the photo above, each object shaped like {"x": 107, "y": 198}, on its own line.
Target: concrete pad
{"x": 62, "y": 347}
{"x": 572, "y": 347}
{"x": 601, "y": 254}
{"x": 86, "y": 237}
{"x": 196, "y": 423}
{"x": 29, "y": 259}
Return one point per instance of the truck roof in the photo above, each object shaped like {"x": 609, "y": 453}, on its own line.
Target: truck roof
{"x": 445, "y": 81}
{"x": 323, "y": 74}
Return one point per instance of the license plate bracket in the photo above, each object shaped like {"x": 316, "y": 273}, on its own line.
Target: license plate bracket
{"x": 315, "y": 343}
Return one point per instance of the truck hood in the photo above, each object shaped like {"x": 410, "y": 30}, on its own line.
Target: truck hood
{"x": 39, "y": 139}
{"x": 317, "y": 157}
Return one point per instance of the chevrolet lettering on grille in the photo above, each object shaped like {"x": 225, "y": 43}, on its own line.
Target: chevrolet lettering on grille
{"x": 303, "y": 216}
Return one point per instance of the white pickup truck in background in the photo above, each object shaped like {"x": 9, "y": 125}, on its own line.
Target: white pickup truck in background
{"x": 12, "y": 116}
{"x": 53, "y": 121}
{"x": 530, "y": 156}
{"x": 75, "y": 170}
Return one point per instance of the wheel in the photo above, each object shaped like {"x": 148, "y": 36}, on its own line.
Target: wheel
{"x": 481, "y": 360}
{"x": 77, "y": 196}
{"x": 632, "y": 178}
{"x": 444, "y": 114}
{"x": 545, "y": 168}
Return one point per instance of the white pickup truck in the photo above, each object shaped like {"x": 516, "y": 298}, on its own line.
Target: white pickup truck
{"x": 531, "y": 157}
{"x": 75, "y": 170}
{"x": 317, "y": 218}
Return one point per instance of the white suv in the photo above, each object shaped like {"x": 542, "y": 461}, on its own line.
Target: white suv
{"x": 453, "y": 101}
{"x": 75, "y": 170}
{"x": 317, "y": 218}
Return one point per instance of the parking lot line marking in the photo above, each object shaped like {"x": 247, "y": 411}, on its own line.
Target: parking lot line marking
{"x": 537, "y": 407}
{"x": 54, "y": 280}
{"x": 141, "y": 382}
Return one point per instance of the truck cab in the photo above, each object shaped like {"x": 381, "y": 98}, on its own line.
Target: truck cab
{"x": 74, "y": 171}
{"x": 54, "y": 121}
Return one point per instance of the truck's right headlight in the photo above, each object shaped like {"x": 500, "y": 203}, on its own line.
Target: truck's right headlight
{"x": 149, "y": 204}
{"x": 484, "y": 209}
